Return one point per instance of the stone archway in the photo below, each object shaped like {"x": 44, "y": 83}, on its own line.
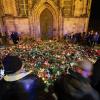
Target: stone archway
{"x": 46, "y": 25}
{"x": 35, "y": 18}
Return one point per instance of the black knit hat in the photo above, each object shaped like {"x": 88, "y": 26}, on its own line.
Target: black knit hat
{"x": 11, "y": 64}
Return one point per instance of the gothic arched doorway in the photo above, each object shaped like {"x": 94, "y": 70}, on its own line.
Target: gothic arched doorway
{"x": 46, "y": 25}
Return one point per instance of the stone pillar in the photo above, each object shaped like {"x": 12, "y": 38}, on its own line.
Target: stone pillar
{"x": 60, "y": 25}
{"x": 30, "y": 15}
{"x": 6, "y": 4}
{"x": 89, "y": 7}
{"x": 9, "y": 7}
{"x": 84, "y": 7}
{"x": 13, "y": 7}
{"x": 78, "y": 8}
{"x": 30, "y": 6}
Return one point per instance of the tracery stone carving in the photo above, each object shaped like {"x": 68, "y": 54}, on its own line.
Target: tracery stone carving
{"x": 78, "y": 8}
{"x": 67, "y": 8}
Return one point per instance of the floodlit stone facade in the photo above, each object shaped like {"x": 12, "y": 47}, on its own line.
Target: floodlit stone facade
{"x": 44, "y": 18}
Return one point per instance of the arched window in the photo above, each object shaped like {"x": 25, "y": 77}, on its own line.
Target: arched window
{"x": 33, "y": 2}
{"x": 67, "y": 8}
{"x": 22, "y": 7}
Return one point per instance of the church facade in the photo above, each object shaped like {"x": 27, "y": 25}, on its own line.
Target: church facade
{"x": 41, "y": 19}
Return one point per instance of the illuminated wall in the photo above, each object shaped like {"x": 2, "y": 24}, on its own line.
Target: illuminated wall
{"x": 24, "y": 16}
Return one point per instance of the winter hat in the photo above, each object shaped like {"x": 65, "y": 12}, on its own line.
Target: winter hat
{"x": 11, "y": 64}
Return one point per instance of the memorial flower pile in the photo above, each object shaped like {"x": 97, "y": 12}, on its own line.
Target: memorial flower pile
{"x": 49, "y": 59}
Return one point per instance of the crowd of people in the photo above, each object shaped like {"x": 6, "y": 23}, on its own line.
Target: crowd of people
{"x": 81, "y": 83}
{"x": 78, "y": 84}
{"x": 85, "y": 38}
{"x": 90, "y": 38}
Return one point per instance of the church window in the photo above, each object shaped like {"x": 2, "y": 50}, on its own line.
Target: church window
{"x": 22, "y": 7}
{"x": 68, "y": 8}
{"x": 33, "y": 2}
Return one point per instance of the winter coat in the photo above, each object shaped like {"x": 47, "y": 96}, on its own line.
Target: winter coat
{"x": 74, "y": 87}
{"x": 26, "y": 88}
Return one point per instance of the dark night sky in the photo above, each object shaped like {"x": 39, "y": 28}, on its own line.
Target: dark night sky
{"x": 95, "y": 16}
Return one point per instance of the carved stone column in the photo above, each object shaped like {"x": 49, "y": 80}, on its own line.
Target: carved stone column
{"x": 78, "y": 8}
{"x": 29, "y": 7}
{"x": 13, "y": 7}
{"x": 6, "y": 4}
{"x": 85, "y": 7}
{"x": 9, "y": 7}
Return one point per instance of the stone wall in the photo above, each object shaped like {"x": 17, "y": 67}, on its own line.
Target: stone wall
{"x": 20, "y": 25}
{"x": 9, "y": 24}
{"x": 75, "y": 25}
{"x": 9, "y": 7}
{"x": 67, "y": 18}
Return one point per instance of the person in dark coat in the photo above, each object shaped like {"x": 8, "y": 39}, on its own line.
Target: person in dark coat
{"x": 18, "y": 84}
{"x": 15, "y": 37}
{"x": 75, "y": 86}
{"x": 95, "y": 79}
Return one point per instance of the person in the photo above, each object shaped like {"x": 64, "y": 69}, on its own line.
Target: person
{"x": 15, "y": 37}
{"x": 17, "y": 84}
{"x": 75, "y": 85}
{"x": 96, "y": 38}
{"x": 0, "y": 38}
{"x": 95, "y": 78}
{"x": 1, "y": 70}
